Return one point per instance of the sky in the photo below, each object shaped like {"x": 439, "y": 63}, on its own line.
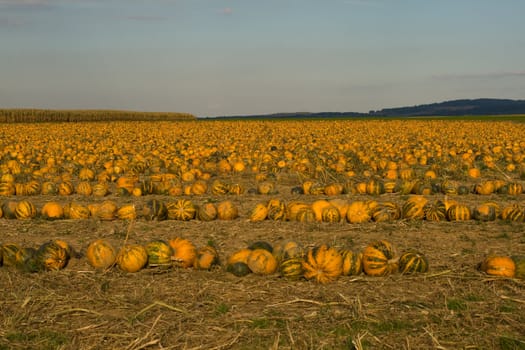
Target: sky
{"x": 240, "y": 57}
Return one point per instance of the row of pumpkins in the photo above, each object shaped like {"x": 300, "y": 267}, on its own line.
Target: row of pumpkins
{"x": 322, "y": 263}
{"x": 171, "y": 184}
{"x": 333, "y": 210}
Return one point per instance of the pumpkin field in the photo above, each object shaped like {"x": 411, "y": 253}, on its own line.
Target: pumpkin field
{"x": 263, "y": 234}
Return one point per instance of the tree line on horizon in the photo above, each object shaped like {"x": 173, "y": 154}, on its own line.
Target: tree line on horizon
{"x": 27, "y": 115}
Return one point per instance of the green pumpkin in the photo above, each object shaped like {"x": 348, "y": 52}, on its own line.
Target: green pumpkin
{"x": 292, "y": 268}
{"x": 26, "y": 259}
{"x": 159, "y": 254}
{"x": 519, "y": 261}
{"x": 239, "y": 269}
{"x": 412, "y": 262}
{"x": 155, "y": 210}
{"x": 9, "y": 251}
{"x": 51, "y": 256}
{"x": 261, "y": 245}
{"x": 352, "y": 263}
{"x": 435, "y": 211}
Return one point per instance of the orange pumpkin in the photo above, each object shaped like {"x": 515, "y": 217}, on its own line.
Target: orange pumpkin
{"x": 498, "y": 265}
{"x": 132, "y": 258}
{"x": 259, "y": 212}
{"x": 52, "y": 211}
{"x": 101, "y": 254}
{"x": 184, "y": 252}
{"x": 262, "y": 262}
{"x": 226, "y": 210}
{"x": 239, "y": 256}
{"x": 206, "y": 257}
{"x": 207, "y": 212}
{"x": 323, "y": 264}
{"x": 358, "y": 212}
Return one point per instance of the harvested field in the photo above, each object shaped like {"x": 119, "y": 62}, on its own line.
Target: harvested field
{"x": 453, "y": 306}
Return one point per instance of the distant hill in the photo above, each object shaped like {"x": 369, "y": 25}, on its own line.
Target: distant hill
{"x": 481, "y": 106}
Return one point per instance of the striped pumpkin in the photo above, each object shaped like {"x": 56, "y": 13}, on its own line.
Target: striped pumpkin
{"x": 127, "y": 212}
{"x": 484, "y": 188}
{"x": 51, "y": 256}
{"x": 435, "y": 211}
{"x": 333, "y": 189}
{"x": 32, "y": 188}
{"x": 375, "y": 187}
{"x": 413, "y": 208}
{"x": 412, "y": 262}
{"x": 458, "y": 212}
{"x": 318, "y": 206}
{"x": 236, "y": 189}
{"x": 65, "y": 188}
{"x": 513, "y": 212}
{"x": 181, "y": 209}
{"x": 8, "y": 253}
{"x": 330, "y": 214}
{"x": 25, "y": 259}
{"x": 352, "y": 263}
{"x": 292, "y": 268}
{"x": 7, "y": 189}
{"x": 76, "y": 211}
{"x": 293, "y": 207}
{"x": 287, "y": 249}
{"x": 259, "y": 212}
{"x": 159, "y": 253}
{"x": 306, "y": 215}
{"x": 378, "y": 259}
{"x": 100, "y": 189}
{"x": 219, "y": 187}
{"x": 514, "y": 188}
{"x": 276, "y": 210}
{"x": 84, "y": 188}
{"x": 386, "y": 212}
{"x": 25, "y": 210}
{"x": 155, "y": 209}
{"x": 323, "y": 264}
{"x": 449, "y": 187}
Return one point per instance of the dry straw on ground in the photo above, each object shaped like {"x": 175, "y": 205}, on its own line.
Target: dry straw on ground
{"x": 454, "y": 306}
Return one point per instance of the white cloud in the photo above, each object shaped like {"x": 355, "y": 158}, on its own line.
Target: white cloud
{"x": 226, "y": 11}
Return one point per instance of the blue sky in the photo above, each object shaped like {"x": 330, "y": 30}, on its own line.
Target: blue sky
{"x": 233, "y": 57}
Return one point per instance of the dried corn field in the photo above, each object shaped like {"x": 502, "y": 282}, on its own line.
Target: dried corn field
{"x": 109, "y": 180}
